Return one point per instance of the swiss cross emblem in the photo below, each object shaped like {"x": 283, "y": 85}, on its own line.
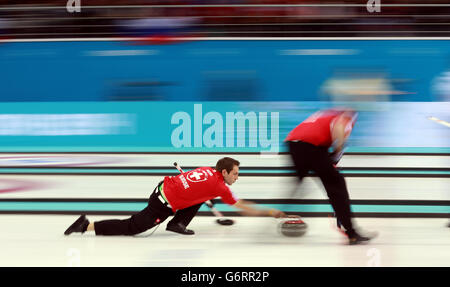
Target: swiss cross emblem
{"x": 197, "y": 176}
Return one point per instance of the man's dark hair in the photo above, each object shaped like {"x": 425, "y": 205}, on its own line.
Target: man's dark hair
{"x": 226, "y": 163}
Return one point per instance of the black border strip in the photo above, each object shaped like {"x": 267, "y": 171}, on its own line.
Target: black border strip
{"x": 247, "y": 174}
{"x": 209, "y": 214}
{"x": 224, "y": 152}
{"x": 355, "y": 175}
{"x": 258, "y": 201}
{"x": 352, "y": 201}
{"x": 241, "y": 168}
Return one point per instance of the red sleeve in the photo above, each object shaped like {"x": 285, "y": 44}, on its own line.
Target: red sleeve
{"x": 348, "y": 125}
{"x": 227, "y": 195}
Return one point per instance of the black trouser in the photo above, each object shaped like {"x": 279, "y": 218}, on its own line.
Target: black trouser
{"x": 307, "y": 157}
{"x": 155, "y": 213}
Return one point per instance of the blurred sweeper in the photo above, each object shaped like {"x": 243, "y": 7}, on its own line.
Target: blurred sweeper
{"x": 309, "y": 146}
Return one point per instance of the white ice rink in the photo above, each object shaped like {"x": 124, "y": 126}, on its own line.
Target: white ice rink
{"x": 38, "y": 240}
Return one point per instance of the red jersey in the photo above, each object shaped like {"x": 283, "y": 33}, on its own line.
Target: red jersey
{"x": 196, "y": 186}
{"x": 316, "y": 129}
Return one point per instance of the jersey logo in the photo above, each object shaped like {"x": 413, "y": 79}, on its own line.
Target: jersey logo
{"x": 197, "y": 176}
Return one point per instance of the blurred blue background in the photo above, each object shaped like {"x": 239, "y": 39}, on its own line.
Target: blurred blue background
{"x": 128, "y": 78}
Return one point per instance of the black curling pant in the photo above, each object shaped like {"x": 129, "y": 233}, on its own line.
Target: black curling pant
{"x": 156, "y": 212}
{"x": 307, "y": 157}
{"x": 184, "y": 216}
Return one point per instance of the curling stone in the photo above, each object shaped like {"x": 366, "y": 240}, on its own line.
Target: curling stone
{"x": 293, "y": 228}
